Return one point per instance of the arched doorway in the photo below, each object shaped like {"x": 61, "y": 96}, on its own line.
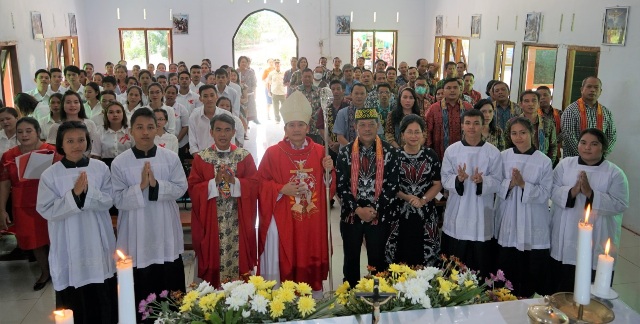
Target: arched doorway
{"x": 263, "y": 35}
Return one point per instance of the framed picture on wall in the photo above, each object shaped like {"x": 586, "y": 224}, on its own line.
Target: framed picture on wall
{"x": 532, "y": 27}
{"x": 476, "y": 22}
{"x": 36, "y": 25}
{"x": 615, "y": 26}
{"x": 180, "y": 24}
{"x": 343, "y": 25}
{"x": 439, "y": 25}
{"x": 73, "y": 28}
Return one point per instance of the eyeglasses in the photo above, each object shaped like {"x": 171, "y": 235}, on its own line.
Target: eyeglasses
{"x": 384, "y": 92}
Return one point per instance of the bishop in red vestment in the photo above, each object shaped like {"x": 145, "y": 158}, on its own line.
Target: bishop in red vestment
{"x": 223, "y": 191}
{"x": 292, "y": 202}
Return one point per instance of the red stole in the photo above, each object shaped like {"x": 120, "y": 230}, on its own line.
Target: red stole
{"x": 204, "y": 217}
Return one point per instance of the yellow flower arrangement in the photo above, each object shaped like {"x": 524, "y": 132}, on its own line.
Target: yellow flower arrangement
{"x": 306, "y": 305}
{"x": 289, "y": 285}
{"x": 260, "y": 283}
{"x": 303, "y": 289}
{"x": 208, "y": 302}
{"x": 285, "y": 294}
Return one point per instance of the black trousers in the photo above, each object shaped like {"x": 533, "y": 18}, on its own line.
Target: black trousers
{"x": 376, "y": 240}
{"x": 476, "y": 255}
{"x": 95, "y": 303}
{"x": 528, "y": 271}
{"x": 563, "y": 276}
{"x": 156, "y": 278}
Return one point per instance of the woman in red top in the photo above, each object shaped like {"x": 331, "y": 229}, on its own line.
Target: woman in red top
{"x": 30, "y": 228}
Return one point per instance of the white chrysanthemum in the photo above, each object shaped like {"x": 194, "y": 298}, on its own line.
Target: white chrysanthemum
{"x": 246, "y": 313}
{"x": 259, "y": 304}
{"x": 235, "y": 302}
{"x": 204, "y": 289}
{"x": 426, "y": 302}
{"x": 244, "y": 291}
{"x": 468, "y": 275}
{"x": 229, "y": 286}
{"x": 427, "y": 273}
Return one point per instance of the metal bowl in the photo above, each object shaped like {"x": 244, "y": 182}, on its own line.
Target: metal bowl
{"x": 595, "y": 312}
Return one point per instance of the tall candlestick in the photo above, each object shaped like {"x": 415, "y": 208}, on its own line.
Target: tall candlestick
{"x": 63, "y": 316}
{"x": 602, "y": 283}
{"x": 582, "y": 283}
{"x": 126, "y": 296}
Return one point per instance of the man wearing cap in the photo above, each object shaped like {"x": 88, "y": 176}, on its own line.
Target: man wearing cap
{"x": 292, "y": 204}
{"x": 368, "y": 179}
{"x": 277, "y": 91}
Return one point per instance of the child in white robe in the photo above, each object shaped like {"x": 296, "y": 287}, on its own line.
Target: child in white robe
{"x": 74, "y": 196}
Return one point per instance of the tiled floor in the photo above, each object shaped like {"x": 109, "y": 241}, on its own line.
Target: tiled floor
{"x": 20, "y": 304}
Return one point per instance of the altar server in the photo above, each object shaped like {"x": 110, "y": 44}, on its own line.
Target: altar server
{"x": 74, "y": 196}
{"x": 522, "y": 213}
{"x": 147, "y": 180}
{"x": 472, "y": 172}
{"x": 577, "y": 181}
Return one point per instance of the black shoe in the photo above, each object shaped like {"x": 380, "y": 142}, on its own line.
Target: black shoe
{"x": 40, "y": 285}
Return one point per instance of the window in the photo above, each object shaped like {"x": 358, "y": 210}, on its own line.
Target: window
{"x": 538, "y": 66}
{"x": 9, "y": 74}
{"x": 374, "y": 45}
{"x": 450, "y": 49}
{"x": 146, "y": 45}
{"x": 581, "y": 63}
{"x": 61, "y": 51}
{"x": 503, "y": 67}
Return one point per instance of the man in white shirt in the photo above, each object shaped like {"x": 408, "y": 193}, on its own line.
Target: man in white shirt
{"x": 223, "y": 90}
{"x": 56, "y": 82}
{"x": 88, "y": 68}
{"x": 275, "y": 84}
{"x": 188, "y": 98}
{"x": 200, "y": 121}
{"x": 41, "y": 92}
{"x": 196, "y": 73}
{"x": 72, "y": 74}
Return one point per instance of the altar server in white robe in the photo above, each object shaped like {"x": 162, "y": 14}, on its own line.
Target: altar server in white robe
{"x": 472, "y": 172}
{"x": 522, "y": 211}
{"x": 577, "y": 181}
{"x": 74, "y": 196}
{"x": 147, "y": 180}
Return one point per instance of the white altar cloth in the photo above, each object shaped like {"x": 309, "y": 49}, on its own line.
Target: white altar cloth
{"x": 511, "y": 312}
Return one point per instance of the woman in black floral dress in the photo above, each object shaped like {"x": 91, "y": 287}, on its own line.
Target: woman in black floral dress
{"x": 415, "y": 238}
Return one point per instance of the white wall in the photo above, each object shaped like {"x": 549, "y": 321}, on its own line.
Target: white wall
{"x": 618, "y": 64}
{"x": 15, "y": 25}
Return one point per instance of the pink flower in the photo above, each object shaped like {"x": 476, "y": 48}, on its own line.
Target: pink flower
{"x": 508, "y": 285}
{"x": 145, "y": 315}
{"x": 151, "y": 298}
{"x": 500, "y": 276}
{"x": 164, "y": 294}
{"x": 142, "y": 307}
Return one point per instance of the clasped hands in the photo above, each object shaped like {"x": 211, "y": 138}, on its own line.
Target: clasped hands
{"x": 516, "y": 179}
{"x": 462, "y": 174}
{"x": 148, "y": 179}
{"x": 366, "y": 214}
{"x": 224, "y": 173}
{"x": 81, "y": 185}
{"x": 582, "y": 185}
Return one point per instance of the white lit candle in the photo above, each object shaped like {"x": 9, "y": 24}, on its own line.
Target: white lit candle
{"x": 63, "y": 316}
{"x": 126, "y": 296}
{"x": 603, "y": 272}
{"x": 582, "y": 283}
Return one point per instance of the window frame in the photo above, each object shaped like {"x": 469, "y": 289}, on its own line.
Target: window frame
{"x": 523, "y": 66}
{"x": 499, "y": 62}
{"x": 441, "y": 55}
{"x": 374, "y": 54}
{"x": 14, "y": 84}
{"x": 569, "y": 69}
{"x": 146, "y": 41}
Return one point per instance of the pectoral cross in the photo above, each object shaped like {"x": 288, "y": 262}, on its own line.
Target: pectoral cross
{"x": 301, "y": 171}
{"x": 303, "y": 202}
{"x": 375, "y": 299}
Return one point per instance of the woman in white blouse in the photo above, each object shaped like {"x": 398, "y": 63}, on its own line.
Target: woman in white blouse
{"x": 8, "y": 120}
{"x": 72, "y": 110}
{"x": 164, "y": 138}
{"x": 156, "y": 101}
{"x": 74, "y": 196}
{"x": 577, "y": 181}
{"x": 55, "y": 104}
{"x": 134, "y": 100}
{"x": 114, "y": 137}
{"x": 92, "y": 93}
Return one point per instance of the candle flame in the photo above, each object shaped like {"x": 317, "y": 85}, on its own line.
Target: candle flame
{"x": 121, "y": 255}
{"x": 606, "y": 248}
{"x": 59, "y": 312}
{"x": 586, "y": 214}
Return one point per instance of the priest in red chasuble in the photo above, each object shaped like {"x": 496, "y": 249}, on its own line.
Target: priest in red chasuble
{"x": 292, "y": 203}
{"x": 223, "y": 191}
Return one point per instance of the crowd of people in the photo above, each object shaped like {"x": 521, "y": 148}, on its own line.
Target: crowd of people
{"x": 515, "y": 177}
